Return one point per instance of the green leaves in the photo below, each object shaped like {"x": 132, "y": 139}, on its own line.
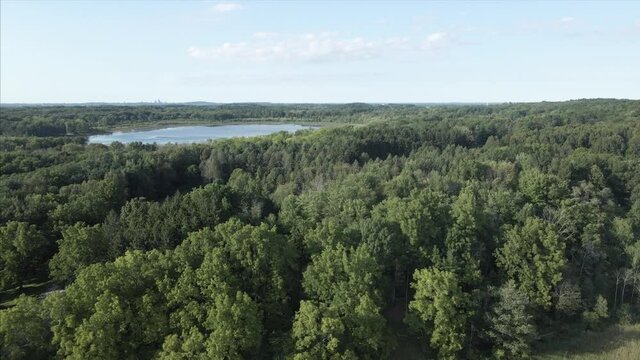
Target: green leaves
{"x": 236, "y": 327}
{"x": 339, "y": 269}
{"x": 423, "y": 217}
{"x": 113, "y": 308}
{"x": 22, "y": 249}
{"x": 24, "y": 331}
{"x": 540, "y": 201}
{"x": 533, "y": 255}
{"x": 541, "y": 189}
{"x": 511, "y": 325}
{"x": 318, "y": 332}
{"x": 440, "y": 302}
{"x": 464, "y": 248}
{"x": 80, "y": 246}
{"x": 595, "y": 317}
{"x": 343, "y": 318}
{"x": 331, "y": 331}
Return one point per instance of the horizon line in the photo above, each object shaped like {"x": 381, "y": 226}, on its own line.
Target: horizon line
{"x": 203, "y": 102}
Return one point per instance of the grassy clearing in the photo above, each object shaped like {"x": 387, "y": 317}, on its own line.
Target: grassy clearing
{"x": 617, "y": 342}
{"x": 34, "y": 287}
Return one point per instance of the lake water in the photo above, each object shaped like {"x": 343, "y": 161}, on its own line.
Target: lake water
{"x": 194, "y": 134}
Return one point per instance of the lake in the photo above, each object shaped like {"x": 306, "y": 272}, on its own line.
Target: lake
{"x": 194, "y": 134}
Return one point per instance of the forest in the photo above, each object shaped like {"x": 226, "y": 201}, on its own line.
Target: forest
{"x": 393, "y": 232}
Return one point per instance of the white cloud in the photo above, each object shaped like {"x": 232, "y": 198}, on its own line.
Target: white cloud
{"x": 567, "y": 20}
{"x": 562, "y": 24}
{"x": 312, "y": 47}
{"x": 225, "y": 7}
{"x": 437, "y": 40}
{"x": 264, "y": 34}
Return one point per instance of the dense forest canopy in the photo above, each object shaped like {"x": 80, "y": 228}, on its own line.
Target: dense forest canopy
{"x": 475, "y": 231}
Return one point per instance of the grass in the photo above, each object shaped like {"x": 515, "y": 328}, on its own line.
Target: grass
{"x": 33, "y": 287}
{"x": 617, "y": 342}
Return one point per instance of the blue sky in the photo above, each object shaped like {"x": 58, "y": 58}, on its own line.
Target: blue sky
{"x": 318, "y": 51}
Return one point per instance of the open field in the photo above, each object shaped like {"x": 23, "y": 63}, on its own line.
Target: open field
{"x": 618, "y": 342}
{"x": 34, "y": 287}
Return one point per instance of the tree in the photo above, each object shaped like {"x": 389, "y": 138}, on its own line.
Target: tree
{"x": 329, "y": 331}
{"x": 600, "y": 311}
{"x": 441, "y": 306}
{"x": 424, "y": 219}
{"x": 533, "y": 256}
{"x": 567, "y": 297}
{"x": 339, "y": 268}
{"x": 511, "y": 325}
{"x": 319, "y": 333}
{"x": 368, "y": 330}
{"x": 384, "y": 240}
{"x": 345, "y": 302}
{"x": 262, "y": 260}
{"x": 463, "y": 243}
{"x": 113, "y": 309}
{"x": 80, "y": 246}
{"x": 208, "y": 317}
{"x": 22, "y": 249}
{"x": 91, "y": 201}
{"x": 235, "y": 327}
{"x": 24, "y": 331}
{"x": 540, "y": 188}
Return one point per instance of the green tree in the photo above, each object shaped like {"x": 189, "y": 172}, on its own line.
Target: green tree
{"x": 22, "y": 250}
{"x": 329, "y": 331}
{"x": 541, "y": 189}
{"x": 113, "y": 309}
{"x": 423, "y": 217}
{"x": 80, "y": 246}
{"x": 91, "y": 201}
{"x": 263, "y": 262}
{"x": 533, "y": 255}
{"x": 441, "y": 307}
{"x": 338, "y": 269}
{"x": 511, "y": 325}
{"x": 319, "y": 333}
{"x": 463, "y": 244}
{"x": 344, "y": 316}
{"x": 235, "y": 327}
{"x": 24, "y": 331}
{"x": 593, "y": 318}
{"x": 206, "y": 321}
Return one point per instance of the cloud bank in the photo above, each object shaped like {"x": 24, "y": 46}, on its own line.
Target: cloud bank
{"x": 317, "y": 47}
{"x": 225, "y": 7}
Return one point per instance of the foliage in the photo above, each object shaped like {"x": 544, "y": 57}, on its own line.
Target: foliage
{"x": 440, "y": 303}
{"x": 533, "y": 256}
{"x": 80, "y": 246}
{"x": 24, "y": 333}
{"x": 594, "y": 317}
{"x": 511, "y": 218}
{"x": 22, "y": 247}
{"x": 511, "y": 325}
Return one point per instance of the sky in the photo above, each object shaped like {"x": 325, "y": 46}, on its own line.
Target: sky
{"x": 318, "y": 51}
